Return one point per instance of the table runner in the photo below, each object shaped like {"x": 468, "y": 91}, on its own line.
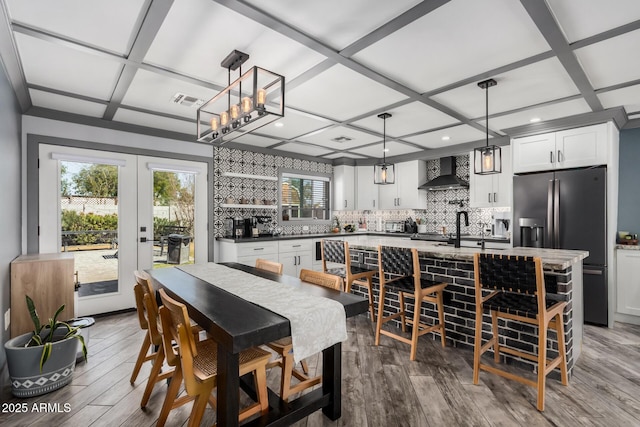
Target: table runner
{"x": 316, "y": 323}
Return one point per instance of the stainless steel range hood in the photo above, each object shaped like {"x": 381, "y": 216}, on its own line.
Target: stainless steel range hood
{"x": 447, "y": 179}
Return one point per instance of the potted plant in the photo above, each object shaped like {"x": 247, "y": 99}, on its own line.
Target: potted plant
{"x": 43, "y": 360}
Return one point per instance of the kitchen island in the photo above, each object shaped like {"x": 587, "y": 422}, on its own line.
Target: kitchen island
{"x": 454, "y": 266}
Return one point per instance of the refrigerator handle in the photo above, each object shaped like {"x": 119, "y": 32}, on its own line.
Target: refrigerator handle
{"x": 556, "y": 214}
{"x": 549, "y": 243}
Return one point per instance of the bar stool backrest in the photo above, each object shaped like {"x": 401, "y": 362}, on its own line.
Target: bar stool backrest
{"x": 333, "y": 251}
{"x": 397, "y": 261}
{"x": 508, "y": 273}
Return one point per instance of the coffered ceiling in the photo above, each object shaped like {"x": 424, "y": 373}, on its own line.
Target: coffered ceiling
{"x": 119, "y": 64}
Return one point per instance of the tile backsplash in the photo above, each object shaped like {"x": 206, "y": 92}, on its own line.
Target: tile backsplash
{"x": 440, "y": 210}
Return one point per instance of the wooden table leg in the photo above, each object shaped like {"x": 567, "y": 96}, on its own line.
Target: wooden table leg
{"x": 332, "y": 380}
{"x": 228, "y": 387}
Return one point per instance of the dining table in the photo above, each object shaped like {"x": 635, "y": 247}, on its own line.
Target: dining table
{"x": 237, "y": 324}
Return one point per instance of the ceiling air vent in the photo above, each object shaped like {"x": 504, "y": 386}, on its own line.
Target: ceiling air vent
{"x": 342, "y": 139}
{"x": 186, "y": 100}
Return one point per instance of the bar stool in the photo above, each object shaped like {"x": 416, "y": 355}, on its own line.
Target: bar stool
{"x": 517, "y": 292}
{"x": 266, "y": 265}
{"x": 337, "y": 252}
{"x": 400, "y": 270}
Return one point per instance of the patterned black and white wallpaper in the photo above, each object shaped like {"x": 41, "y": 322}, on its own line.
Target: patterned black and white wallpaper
{"x": 232, "y": 190}
{"x": 440, "y": 210}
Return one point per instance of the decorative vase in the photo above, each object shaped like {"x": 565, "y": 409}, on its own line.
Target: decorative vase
{"x": 24, "y": 365}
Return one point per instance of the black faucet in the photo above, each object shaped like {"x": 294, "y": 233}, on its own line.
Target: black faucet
{"x": 456, "y": 243}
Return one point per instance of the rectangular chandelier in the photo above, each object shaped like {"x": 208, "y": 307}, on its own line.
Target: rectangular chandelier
{"x": 255, "y": 99}
{"x": 487, "y": 160}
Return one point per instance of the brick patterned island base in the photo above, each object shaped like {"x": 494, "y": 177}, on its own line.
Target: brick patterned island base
{"x": 455, "y": 267}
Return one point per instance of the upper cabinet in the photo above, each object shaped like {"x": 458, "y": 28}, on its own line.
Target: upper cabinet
{"x": 586, "y": 146}
{"x": 344, "y": 188}
{"x": 492, "y": 191}
{"x": 366, "y": 190}
{"x": 404, "y": 194}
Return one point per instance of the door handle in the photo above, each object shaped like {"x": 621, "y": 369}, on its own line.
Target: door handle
{"x": 143, "y": 240}
{"x": 593, "y": 272}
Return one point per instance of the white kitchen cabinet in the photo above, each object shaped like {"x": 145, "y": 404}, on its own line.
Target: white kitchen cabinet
{"x": 495, "y": 190}
{"x": 628, "y": 281}
{"x": 294, "y": 255}
{"x": 247, "y": 253}
{"x": 404, "y": 194}
{"x": 343, "y": 188}
{"x": 366, "y": 189}
{"x": 571, "y": 148}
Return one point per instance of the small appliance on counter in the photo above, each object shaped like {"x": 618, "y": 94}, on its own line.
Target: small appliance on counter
{"x": 394, "y": 226}
{"x": 500, "y": 225}
{"x": 410, "y": 226}
{"x": 264, "y": 225}
{"x": 238, "y": 227}
{"x": 228, "y": 227}
{"x": 251, "y": 227}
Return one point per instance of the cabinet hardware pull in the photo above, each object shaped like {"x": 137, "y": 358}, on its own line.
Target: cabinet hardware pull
{"x": 295, "y": 260}
{"x": 299, "y": 261}
{"x": 559, "y": 154}
{"x": 258, "y": 249}
{"x": 495, "y": 197}
{"x": 345, "y": 203}
{"x": 296, "y": 246}
{"x": 374, "y": 203}
{"x": 398, "y": 201}
{"x": 550, "y": 156}
{"x": 489, "y": 194}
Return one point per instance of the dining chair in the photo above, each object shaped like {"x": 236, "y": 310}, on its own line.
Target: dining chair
{"x": 143, "y": 354}
{"x": 337, "y": 252}
{"x": 266, "y": 265}
{"x": 517, "y": 292}
{"x": 284, "y": 347}
{"x": 399, "y": 269}
{"x": 195, "y": 364}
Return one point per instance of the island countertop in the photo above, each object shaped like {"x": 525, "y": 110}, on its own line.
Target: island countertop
{"x": 552, "y": 259}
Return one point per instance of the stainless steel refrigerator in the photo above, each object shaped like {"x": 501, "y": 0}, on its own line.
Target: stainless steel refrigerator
{"x": 567, "y": 209}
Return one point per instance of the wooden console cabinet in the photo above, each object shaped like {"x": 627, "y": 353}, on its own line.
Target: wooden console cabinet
{"x": 48, "y": 280}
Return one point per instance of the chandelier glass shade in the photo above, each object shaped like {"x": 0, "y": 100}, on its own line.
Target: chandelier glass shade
{"x": 487, "y": 160}
{"x": 383, "y": 172}
{"x": 253, "y": 100}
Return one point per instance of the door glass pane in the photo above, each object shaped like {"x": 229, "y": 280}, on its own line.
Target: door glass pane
{"x": 173, "y": 218}
{"x": 89, "y": 224}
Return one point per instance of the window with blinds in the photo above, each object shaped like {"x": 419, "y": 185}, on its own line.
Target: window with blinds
{"x": 304, "y": 197}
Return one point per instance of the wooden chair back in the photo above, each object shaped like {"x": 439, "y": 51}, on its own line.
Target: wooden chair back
{"x": 150, "y": 306}
{"x": 510, "y": 273}
{"x": 332, "y": 251}
{"x": 142, "y": 317}
{"x": 322, "y": 279}
{"x": 176, "y": 327}
{"x": 271, "y": 266}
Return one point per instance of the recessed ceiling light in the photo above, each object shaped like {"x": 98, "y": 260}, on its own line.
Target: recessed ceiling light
{"x": 446, "y": 138}
{"x": 341, "y": 139}
{"x": 279, "y": 124}
{"x": 535, "y": 120}
{"x": 386, "y": 150}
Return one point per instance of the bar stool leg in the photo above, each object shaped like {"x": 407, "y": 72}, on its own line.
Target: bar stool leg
{"x": 443, "y": 336}
{"x": 371, "y": 309}
{"x": 563, "y": 350}
{"x": 402, "y": 312}
{"x": 477, "y": 345}
{"x": 495, "y": 338}
{"x": 416, "y": 327}
{"x": 542, "y": 363}
{"x": 380, "y": 314}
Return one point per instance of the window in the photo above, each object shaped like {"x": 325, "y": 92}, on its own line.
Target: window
{"x": 304, "y": 197}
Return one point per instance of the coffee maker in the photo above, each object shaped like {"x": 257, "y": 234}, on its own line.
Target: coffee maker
{"x": 264, "y": 225}
{"x": 238, "y": 227}
{"x": 251, "y": 227}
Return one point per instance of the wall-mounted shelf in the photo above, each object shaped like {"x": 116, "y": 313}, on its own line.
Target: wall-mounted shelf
{"x": 248, "y": 176}
{"x": 241, "y": 206}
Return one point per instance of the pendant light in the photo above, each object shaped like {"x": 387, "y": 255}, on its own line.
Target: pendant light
{"x": 384, "y": 173}
{"x": 488, "y": 159}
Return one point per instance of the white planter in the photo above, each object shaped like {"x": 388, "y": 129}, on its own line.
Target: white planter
{"x": 24, "y": 366}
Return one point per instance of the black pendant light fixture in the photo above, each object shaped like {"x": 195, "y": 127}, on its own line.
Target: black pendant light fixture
{"x": 488, "y": 159}
{"x": 384, "y": 173}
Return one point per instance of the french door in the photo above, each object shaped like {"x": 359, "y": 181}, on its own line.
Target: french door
{"x": 119, "y": 213}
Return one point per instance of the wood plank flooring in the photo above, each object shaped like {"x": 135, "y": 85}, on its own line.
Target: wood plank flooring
{"x": 381, "y": 387}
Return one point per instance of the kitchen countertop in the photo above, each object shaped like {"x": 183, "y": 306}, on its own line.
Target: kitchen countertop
{"x": 553, "y": 259}
{"x": 628, "y": 247}
{"x": 356, "y": 233}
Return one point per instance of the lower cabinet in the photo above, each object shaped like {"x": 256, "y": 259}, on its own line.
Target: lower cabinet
{"x": 248, "y": 253}
{"x": 294, "y": 255}
{"x": 628, "y": 281}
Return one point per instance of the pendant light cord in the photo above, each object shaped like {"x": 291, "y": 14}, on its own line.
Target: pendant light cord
{"x": 486, "y": 117}
{"x": 384, "y": 140}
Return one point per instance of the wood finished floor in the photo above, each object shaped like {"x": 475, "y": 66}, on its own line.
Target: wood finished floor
{"x": 380, "y": 386}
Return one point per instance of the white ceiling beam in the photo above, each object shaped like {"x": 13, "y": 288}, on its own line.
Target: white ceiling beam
{"x": 10, "y": 60}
